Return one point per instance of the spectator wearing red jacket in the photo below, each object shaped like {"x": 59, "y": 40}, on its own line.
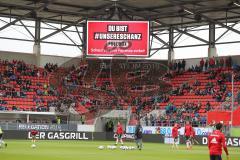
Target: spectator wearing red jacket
{"x": 211, "y": 62}
{"x": 216, "y": 141}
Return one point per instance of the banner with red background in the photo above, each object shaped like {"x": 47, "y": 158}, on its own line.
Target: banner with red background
{"x": 118, "y": 38}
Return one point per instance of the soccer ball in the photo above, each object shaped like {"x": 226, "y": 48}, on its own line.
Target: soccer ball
{"x": 33, "y": 146}
{"x": 101, "y": 147}
{"x": 130, "y": 147}
{"x": 124, "y": 147}
{"x": 111, "y": 147}
{"x": 133, "y": 147}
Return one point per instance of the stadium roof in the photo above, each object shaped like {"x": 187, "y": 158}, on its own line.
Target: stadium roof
{"x": 165, "y": 12}
{"x": 174, "y": 23}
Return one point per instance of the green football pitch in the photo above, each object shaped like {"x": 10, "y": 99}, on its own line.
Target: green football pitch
{"x": 88, "y": 150}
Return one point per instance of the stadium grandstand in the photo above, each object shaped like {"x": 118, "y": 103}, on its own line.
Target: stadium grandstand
{"x": 82, "y": 66}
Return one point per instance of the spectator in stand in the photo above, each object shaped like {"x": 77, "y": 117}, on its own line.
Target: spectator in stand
{"x": 201, "y": 64}
{"x": 175, "y": 66}
{"x": 212, "y": 75}
{"x": 203, "y": 121}
{"x": 183, "y": 64}
{"x": 197, "y": 83}
{"x": 152, "y": 120}
{"x": 220, "y": 81}
{"x": 39, "y": 92}
{"x": 206, "y": 64}
{"x": 170, "y": 65}
{"x": 217, "y": 63}
{"x": 228, "y": 62}
{"x": 208, "y": 106}
{"x": 238, "y": 97}
{"x": 223, "y": 88}
{"x": 179, "y": 66}
{"x": 221, "y": 62}
{"x": 212, "y": 62}
{"x": 146, "y": 120}
{"x": 218, "y": 97}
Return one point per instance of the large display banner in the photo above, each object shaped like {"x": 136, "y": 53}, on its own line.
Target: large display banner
{"x": 167, "y": 131}
{"x": 62, "y": 135}
{"x": 118, "y": 38}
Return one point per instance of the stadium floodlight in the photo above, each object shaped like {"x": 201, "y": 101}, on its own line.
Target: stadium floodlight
{"x": 188, "y": 11}
{"x": 237, "y": 4}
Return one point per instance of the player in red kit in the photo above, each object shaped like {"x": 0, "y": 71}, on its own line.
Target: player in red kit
{"x": 33, "y": 135}
{"x": 193, "y": 139}
{"x": 119, "y": 133}
{"x": 175, "y": 136}
{"x": 216, "y": 141}
{"x": 188, "y": 133}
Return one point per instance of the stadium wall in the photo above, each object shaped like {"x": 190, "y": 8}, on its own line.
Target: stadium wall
{"x": 196, "y": 61}
{"x": 61, "y": 61}
{"x": 26, "y": 57}
{"x": 68, "y": 61}
{"x": 32, "y": 58}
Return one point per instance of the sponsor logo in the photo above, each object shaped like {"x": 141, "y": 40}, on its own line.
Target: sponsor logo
{"x": 60, "y": 136}
{"x": 230, "y": 141}
{"x": 38, "y": 127}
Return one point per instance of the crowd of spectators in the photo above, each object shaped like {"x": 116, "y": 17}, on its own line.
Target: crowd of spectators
{"x": 216, "y": 87}
{"x": 15, "y": 70}
{"x": 206, "y": 64}
{"x": 16, "y": 81}
{"x": 50, "y": 67}
{"x": 177, "y": 65}
{"x": 176, "y": 115}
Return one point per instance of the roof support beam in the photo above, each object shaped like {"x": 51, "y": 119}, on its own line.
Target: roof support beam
{"x": 211, "y": 35}
{"x": 66, "y": 36}
{"x": 26, "y": 15}
{"x": 26, "y": 29}
{"x": 9, "y": 24}
{"x": 191, "y": 35}
{"x": 79, "y": 34}
{"x": 178, "y": 37}
{"x": 225, "y": 32}
{"x": 182, "y": 31}
{"x": 62, "y": 29}
{"x": 160, "y": 40}
{"x": 205, "y": 17}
